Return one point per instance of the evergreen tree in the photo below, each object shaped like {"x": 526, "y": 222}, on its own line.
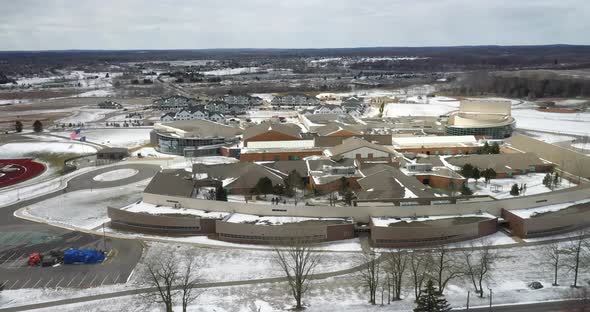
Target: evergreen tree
{"x": 514, "y": 191}
{"x": 547, "y": 180}
{"x": 466, "y": 190}
{"x": 475, "y": 174}
{"x": 431, "y": 300}
{"x": 556, "y": 179}
{"x": 264, "y": 186}
{"x": 495, "y": 148}
{"x": 18, "y": 126}
{"x": 37, "y": 126}
{"x": 220, "y": 194}
{"x": 467, "y": 171}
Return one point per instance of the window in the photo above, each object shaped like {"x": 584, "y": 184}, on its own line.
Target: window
{"x": 294, "y": 157}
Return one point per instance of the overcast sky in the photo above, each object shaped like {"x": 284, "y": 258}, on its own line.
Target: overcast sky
{"x": 197, "y": 24}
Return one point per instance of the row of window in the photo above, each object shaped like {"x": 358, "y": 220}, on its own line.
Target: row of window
{"x": 274, "y": 238}
{"x": 430, "y": 239}
{"x": 158, "y": 227}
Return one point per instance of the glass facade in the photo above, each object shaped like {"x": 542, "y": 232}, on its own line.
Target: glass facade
{"x": 194, "y": 146}
{"x": 500, "y": 132}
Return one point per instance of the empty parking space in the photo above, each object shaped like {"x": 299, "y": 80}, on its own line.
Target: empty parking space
{"x": 72, "y": 278}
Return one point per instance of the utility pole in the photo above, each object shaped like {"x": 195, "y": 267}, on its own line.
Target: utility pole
{"x": 104, "y": 239}
{"x": 491, "y": 294}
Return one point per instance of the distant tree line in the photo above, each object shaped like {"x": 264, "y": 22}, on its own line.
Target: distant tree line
{"x": 520, "y": 87}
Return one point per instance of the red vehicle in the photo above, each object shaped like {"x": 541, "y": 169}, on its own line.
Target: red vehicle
{"x": 35, "y": 259}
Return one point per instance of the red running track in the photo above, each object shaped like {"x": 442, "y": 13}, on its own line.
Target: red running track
{"x": 27, "y": 169}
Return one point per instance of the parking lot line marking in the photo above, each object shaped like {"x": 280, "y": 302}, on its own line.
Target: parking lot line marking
{"x": 68, "y": 285}
{"x": 92, "y": 281}
{"x": 39, "y": 281}
{"x": 82, "y": 280}
{"x": 104, "y": 279}
{"x": 116, "y": 279}
{"x": 15, "y": 262}
{"x": 8, "y": 259}
{"x": 25, "y": 284}
{"x": 51, "y": 279}
{"x": 12, "y": 284}
{"x": 62, "y": 278}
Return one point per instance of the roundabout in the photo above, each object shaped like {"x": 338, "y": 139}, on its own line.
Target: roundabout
{"x": 115, "y": 175}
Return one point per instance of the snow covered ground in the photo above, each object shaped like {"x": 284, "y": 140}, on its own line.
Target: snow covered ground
{"x": 582, "y": 146}
{"x": 86, "y": 208}
{"x": 533, "y": 181}
{"x": 232, "y": 71}
{"x": 86, "y": 115}
{"x": 121, "y": 137}
{"x": 17, "y": 150}
{"x": 531, "y": 119}
{"x": 549, "y": 137}
{"x": 115, "y": 175}
{"x": 151, "y": 152}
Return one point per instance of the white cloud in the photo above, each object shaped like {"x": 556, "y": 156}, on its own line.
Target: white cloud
{"x": 168, "y": 24}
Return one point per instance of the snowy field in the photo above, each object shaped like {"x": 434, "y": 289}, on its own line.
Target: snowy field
{"x": 232, "y": 71}
{"x": 151, "y": 152}
{"x": 531, "y": 119}
{"x": 122, "y": 137}
{"x": 533, "y": 181}
{"x": 115, "y": 175}
{"x": 86, "y": 115}
{"x": 17, "y": 150}
{"x": 582, "y": 146}
{"x": 86, "y": 208}
{"x": 549, "y": 137}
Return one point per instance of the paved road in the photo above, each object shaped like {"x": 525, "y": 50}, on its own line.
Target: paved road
{"x": 19, "y": 238}
{"x": 558, "y": 306}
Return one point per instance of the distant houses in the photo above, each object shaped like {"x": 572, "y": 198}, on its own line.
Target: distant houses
{"x": 294, "y": 100}
{"x": 194, "y": 113}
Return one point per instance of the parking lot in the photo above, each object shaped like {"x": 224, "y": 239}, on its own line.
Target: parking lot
{"x": 16, "y": 273}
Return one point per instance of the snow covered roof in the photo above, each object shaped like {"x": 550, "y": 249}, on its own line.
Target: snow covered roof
{"x": 280, "y": 220}
{"x": 387, "y": 221}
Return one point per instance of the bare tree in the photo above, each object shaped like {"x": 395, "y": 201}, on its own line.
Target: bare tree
{"x": 370, "y": 273}
{"x": 446, "y": 266}
{"x": 162, "y": 274}
{"x": 420, "y": 266}
{"x": 187, "y": 280}
{"x": 395, "y": 266}
{"x": 297, "y": 261}
{"x": 479, "y": 264}
{"x": 171, "y": 276}
{"x": 575, "y": 253}
{"x": 551, "y": 254}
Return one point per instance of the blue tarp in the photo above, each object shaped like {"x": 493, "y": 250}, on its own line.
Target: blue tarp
{"x": 83, "y": 256}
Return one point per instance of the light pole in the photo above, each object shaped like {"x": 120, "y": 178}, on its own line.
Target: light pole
{"x": 468, "y": 293}
{"x": 491, "y": 295}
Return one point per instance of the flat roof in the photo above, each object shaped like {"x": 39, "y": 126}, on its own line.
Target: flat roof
{"x": 425, "y": 141}
{"x": 282, "y": 220}
{"x": 388, "y": 221}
